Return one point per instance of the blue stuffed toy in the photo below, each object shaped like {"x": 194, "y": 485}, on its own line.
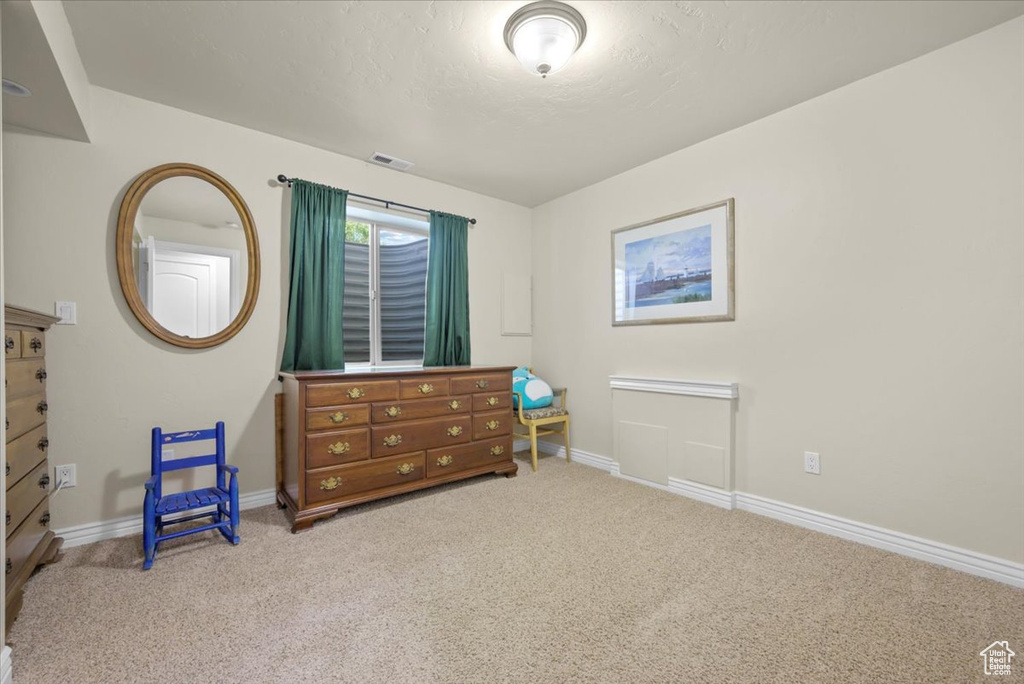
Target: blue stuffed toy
{"x": 535, "y": 392}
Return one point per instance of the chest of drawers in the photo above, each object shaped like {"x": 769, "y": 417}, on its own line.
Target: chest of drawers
{"x": 347, "y": 438}
{"x": 30, "y": 542}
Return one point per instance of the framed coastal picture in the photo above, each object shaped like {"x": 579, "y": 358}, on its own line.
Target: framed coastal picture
{"x": 675, "y": 269}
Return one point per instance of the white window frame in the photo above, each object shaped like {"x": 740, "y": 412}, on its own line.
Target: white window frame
{"x": 376, "y": 347}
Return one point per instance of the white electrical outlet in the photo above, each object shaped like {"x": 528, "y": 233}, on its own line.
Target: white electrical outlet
{"x": 812, "y": 463}
{"x": 65, "y": 476}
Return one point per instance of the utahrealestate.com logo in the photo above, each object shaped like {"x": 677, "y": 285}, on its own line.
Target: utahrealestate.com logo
{"x": 997, "y": 658}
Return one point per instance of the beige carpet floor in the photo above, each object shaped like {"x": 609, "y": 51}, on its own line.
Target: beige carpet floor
{"x": 568, "y": 575}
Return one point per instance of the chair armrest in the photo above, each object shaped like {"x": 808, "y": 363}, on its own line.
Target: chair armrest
{"x": 227, "y": 468}
{"x": 563, "y": 391}
{"x": 151, "y": 483}
{"x": 519, "y": 409}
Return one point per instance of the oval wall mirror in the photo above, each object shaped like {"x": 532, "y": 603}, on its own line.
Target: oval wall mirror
{"x": 188, "y": 257}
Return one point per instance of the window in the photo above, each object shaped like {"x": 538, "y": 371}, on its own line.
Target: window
{"x": 385, "y": 289}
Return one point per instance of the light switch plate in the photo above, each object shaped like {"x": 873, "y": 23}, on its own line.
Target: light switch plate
{"x": 67, "y": 311}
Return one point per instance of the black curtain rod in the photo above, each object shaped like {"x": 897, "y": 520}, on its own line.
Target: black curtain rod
{"x": 387, "y": 203}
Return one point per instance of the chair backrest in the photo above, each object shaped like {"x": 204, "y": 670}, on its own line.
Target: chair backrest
{"x": 158, "y": 466}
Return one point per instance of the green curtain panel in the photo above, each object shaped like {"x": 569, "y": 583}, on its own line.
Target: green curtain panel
{"x": 446, "y": 336}
{"x": 313, "y": 337}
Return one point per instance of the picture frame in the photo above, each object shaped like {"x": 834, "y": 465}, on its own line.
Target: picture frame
{"x": 678, "y": 268}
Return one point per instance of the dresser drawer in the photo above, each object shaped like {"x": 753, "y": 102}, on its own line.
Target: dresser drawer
{"x": 333, "y": 393}
{"x": 491, "y": 401}
{"x": 417, "y": 388}
{"x": 335, "y": 417}
{"x": 12, "y": 344}
{"x": 356, "y": 478}
{"x": 26, "y": 538}
{"x": 328, "y": 449}
{"x": 24, "y": 377}
{"x": 393, "y": 411}
{"x": 33, "y": 343}
{"x": 25, "y": 453}
{"x": 483, "y": 382}
{"x": 26, "y": 495}
{"x": 24, "y": 414}
{"x": 486, "y": 425}
{"x": 420, "y": 434}
{"x": 443, "y": 461}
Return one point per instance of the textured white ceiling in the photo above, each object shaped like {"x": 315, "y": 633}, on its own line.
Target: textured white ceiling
{"x": 432, "y": 82}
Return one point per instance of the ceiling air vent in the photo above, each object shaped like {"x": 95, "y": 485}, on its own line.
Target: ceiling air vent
{"x": 390, "y": 162}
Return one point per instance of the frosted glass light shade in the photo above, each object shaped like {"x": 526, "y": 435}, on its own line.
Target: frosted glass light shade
{"x": 544, "y": 36}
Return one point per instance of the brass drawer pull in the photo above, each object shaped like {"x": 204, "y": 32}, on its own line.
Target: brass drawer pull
{"x": 425, "y": 388}
{"x": 497, "y": 450}
{"x": 356, "y": 392}
{"x": 44, "y": 481}
{"x": 330, "y": 483}
{"x": 36, "y": 344}
{"x": 482, "y": 384}
{"x": 455, "y": 431}
{"x": 492, "y": 401}
{"x": 41, "y": 374}
{"x": 338, "y": 417}
{"x": 392, "y": 411}
{"x": 45, "y": 519}
{"x": 454, "y": 404}
{"x": 392, "y": 440}
{"x": 339, "y": 448}
{"x": 406, "y": 468}
{"x": 43, "y": 444}
{"x": 492, "y": 425}
{"x": 42, "y": 407}
{"x": 445, "y": 460}
{"x": 8, "y": 344}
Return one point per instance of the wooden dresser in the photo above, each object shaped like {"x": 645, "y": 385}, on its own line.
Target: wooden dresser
{"x": 352, "y": 437}
{"x": 30, "y": 542}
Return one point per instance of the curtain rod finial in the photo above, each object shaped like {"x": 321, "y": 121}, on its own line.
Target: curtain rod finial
{"x": 281, "y": 178}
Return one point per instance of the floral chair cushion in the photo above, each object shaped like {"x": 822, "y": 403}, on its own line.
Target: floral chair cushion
{"x": 547, "y": 412}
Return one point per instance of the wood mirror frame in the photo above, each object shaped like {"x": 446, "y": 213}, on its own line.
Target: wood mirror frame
{"x": 125, "y": 266}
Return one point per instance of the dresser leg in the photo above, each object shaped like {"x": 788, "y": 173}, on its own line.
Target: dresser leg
{"x": 512, "y": 473}
{"x": 302, "y": 525}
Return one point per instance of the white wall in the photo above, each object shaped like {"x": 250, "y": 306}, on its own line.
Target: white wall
{"x": 880, "y": 296}
{"x": 110, "y": 381}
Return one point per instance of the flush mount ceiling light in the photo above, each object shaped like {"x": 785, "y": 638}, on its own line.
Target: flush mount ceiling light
{"x": 12, "y": 88}
{"x": 544, "y": 35}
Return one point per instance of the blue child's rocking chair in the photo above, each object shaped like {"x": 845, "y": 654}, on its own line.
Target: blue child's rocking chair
{"x": 225, "y": 516}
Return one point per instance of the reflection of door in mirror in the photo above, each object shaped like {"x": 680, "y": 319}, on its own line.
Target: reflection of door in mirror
{"x": 189, "y": 288}
{"x": 189, "y": 257}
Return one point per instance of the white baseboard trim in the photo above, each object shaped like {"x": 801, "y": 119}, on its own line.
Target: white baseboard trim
{"x": 584, "y": 457}
{"x": 6, "y": 669}
{"x": 702, "y": 492}
{"x": 88, "y": 533}
{"x": 971, "y": 562}
{"x": 964, "y": 560}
